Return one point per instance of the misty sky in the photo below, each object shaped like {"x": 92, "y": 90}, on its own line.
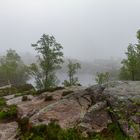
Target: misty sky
{"x": 87, "y": 29}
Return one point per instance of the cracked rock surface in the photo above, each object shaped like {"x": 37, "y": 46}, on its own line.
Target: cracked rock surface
{"x": 89, "y": 109}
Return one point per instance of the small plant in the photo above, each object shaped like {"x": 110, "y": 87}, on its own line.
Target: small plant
{"x": 72, "y": 71}
{"x": 116, "y": 132}
{"x": 65, "y": 93}
{"x": 48, "y": 98}
{"x": 102, "y": 78}
{"x": 7, "y": 91}
{"x": 51, "y": 131}
{"x": 54, "y": 89}
{"x": 2, "y": 102}
{"x": 25, "y": 98}
{"x": 38, "y": 92}
{"x": 23, "y": 125}
{"x": 24, "y": 87}
{"x": 8, "y": 112}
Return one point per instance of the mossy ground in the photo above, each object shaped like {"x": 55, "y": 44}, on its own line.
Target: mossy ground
{"x": 7, "y": 112}
{"x": 54, "y": 132}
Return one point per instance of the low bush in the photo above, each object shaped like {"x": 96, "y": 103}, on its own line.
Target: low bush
{"x": 25, "y": 87}
{"x": 48, "y": 98}
{"x": 23, "y": 125}
{"x": 51, "y": 132}
{"x": 24, "y": 98}
{"x": 49, "y": 90}
{"x": 54, "y": 89}
{"x": 65, "y": 93}
{"x": 2, "y": 102}
{"x": 8, "y": 113}
{"x": 7, "y": 91}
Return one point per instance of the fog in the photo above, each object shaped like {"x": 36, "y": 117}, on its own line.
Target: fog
{"x": 87, "y": 29}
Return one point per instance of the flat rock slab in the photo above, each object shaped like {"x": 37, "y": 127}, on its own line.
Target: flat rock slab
{"x": 124, "y": 90}
{"x": 17, "y": 100}
{"x": 29, "y": 108}
{"x": 8, "y": 97}
{"x": 8, "y": 131}
{"x": 66, "y": 112}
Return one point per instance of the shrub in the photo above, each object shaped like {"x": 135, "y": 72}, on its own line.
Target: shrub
{"x": 8, "y": 112}
{"x": 51, "y": 132}
{"x": 25, "y": 87}
{"x": 54, "y": 89}
{"x": 70, "y": 134}
{"x": 2, "y": 102}
{"x": 49, "y": 90}
{"x": 7, "y": 91}
{"x": 24, "y": 98}
{"x": 48, "y": 98}
{"x": 102, "y": 78}
{"x": 23, "y": 124}
{"x": 65, "y": 93}
{"x": 116, "y": 132}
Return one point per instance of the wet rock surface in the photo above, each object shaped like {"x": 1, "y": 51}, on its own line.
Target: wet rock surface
{"x": 8, "y": 131}
{"x": 88, "y": 109}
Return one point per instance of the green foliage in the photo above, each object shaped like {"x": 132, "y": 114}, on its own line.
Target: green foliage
{"x": 72, "y": 71}
{"x": 102, "y": 78}
{"x": 8, "y": 91}
{"x": 65, "y": 93}
{"x": 24, "y": 98}
{"x": 129, "y": 69}
{"x": 12, "y": 69}
{"x": 20, "y": 94}
{"x": 48, "y": 98}
{"x": 51, "y": 132}
{"x": 112, "y": 132}
{"x": 24, "y": 87}
{"x": 131, "y": 65}
{"x": 116, "y": 132}
{"x": 38, "y": 74}
{"x": 8, "y": 112}
{"x": 70, "y": 134}
{"x": 23, "y": 125}
{"x": 50, "y": 58}
{"x": 2, "y": 102}
{"x": 49, "y": 90}
{"x": 66, "y": 83}
{"x": 18, "y": 90}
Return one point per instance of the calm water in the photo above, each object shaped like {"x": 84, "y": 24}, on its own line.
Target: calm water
{"x": 84, "y": 79}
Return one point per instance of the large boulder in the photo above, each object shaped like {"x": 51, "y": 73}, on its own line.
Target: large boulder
{"x": 93, "y": 109}
{"x": 8, "y": 131}
{"x": 124, "y": 104}
{"x": 90, "y": 109}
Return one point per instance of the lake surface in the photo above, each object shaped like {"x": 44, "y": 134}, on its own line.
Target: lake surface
{"x": 84, "y": 79}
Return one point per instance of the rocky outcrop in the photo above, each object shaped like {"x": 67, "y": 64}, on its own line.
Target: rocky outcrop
{"x": 89, "y": 109}
{"x": 8, "y": 131}
{"x": 92, "y": 109}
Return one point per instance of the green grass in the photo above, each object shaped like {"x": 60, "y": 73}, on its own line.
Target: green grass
{"x": 2, "y": 102}
{"x": 54, "y": 132}
{"x": 8, "y": 113}
{"x": 50, "y": 132}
